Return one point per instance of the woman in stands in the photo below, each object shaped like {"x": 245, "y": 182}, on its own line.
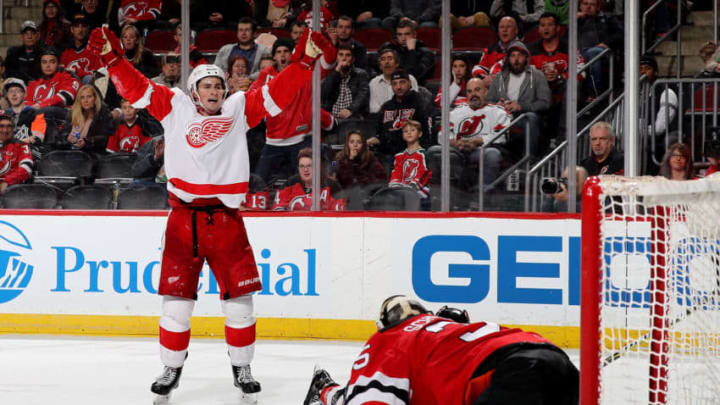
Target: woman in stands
{"x": 141, "y": 58}
{"x": 677, "y": 163}
{"x": 238, "y": 74}
{"x": 89, "y": 123}
{"x": 54, "y": 28}
{"x": 357, "y": 165}
{"x": 298, "y": 195}
{"x": 460, "y": 70}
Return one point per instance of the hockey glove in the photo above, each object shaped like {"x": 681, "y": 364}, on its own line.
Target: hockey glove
{"x": 326, "y": 48}
{"x": 300, "y": 54}
{"x": 455, "y": 314}
{"x": 106, "y": 45}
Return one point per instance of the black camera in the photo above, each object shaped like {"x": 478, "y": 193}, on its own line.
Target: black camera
{"x": 552, "y": 185}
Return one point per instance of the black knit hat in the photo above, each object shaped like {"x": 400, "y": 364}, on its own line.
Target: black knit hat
{"x": 286, "y": 42}
{"x": 649, "y": 60}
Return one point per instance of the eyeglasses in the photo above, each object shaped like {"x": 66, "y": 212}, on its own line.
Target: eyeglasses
{"x": 674, "y": 156}
{"x": 305, "y": 167}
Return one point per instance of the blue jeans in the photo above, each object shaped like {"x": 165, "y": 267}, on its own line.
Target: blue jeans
{"x": 596, "y": 70}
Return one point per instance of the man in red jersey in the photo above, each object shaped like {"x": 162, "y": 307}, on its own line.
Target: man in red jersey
{"x": 421, "y": 359}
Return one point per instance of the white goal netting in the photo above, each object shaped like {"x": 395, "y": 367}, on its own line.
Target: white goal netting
{"x": 659, "y": 290}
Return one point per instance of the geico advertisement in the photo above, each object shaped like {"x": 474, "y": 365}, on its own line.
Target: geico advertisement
{"x": 509, "y": 270}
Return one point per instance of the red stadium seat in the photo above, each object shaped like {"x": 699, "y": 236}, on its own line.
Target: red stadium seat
{"x": 704, "y": 99}
{"x": 212, "y": 40}
{"x": 473, "y": 39}
{"x": 160, "y": 41}
{"x": 432, "y": 37}
{"x": 372, "y": 38}
{"x": 278, "y": 32}
{"x": 531, "y": 36}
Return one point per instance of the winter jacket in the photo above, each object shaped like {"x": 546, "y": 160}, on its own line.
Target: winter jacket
{"x": 100, "y": 130}
{"x": 418, "y": 10}
{"x": 419, "y": 62}
{"x": 600, "y": 28}
{"x": 393, "y": 115}
{"x": 351, "y": 172}
{"x": 359, "y": 89}
{"x": 534, "y": 91}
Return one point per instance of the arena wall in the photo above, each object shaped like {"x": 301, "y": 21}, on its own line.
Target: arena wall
{"x": 324, "y": 275}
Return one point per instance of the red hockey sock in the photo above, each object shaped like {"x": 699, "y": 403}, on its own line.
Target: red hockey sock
{"x": 240, "y": 337}
{"x": 176, "y": 341}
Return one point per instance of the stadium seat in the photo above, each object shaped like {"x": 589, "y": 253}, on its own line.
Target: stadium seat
{"x": 457, "y": 164}
{"x": 116, "y": 166}
{"x": 432, "y": 37}
{"x": 65, "y": 163}
{"x": 278, "y": 32}
{"x": 531, "y": 36}
{"x": 257, "y": 184}
{"x": 161, "y": 41}
{"x": 704, "y": 99}
{"x": 87, "y": 198}
{"x": 143, "y": 197}
{"x": 395, "y": 199}
{"x": 372, "y": 38}
{"x": 211, "y": 40}
{"x": 29, "y": 196}
{"x": 473, "y": 39}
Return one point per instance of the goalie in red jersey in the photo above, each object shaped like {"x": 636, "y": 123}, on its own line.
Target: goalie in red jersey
{"x": 419, "y": 358}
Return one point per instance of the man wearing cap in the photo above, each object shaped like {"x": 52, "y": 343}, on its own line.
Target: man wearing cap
{"x": 666, "y": 106}
{"x": 245, "y": 46}
{"x": 170, "y": 75}
{"x": 406, "y": 104}
{"x": 380, "y": 87}
{"x": 77, "y": 58}
{"x": 522, "y": 89}
{"x": 30, "y": 124}
{"x": 21, "y": 60}
{"x": 54, "y": 88}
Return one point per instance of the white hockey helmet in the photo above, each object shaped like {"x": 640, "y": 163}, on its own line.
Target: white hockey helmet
{"x": 398, "y": 308}
{"x": 200, "y": 72}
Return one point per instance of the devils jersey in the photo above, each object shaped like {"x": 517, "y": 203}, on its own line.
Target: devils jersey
{"x": 257, "y": 201}
{"x": 325, "y": 16}
{"x": 16, "y": 162}
{"x": 467, "y": 122}
{"x": 425, "y": 360}
{"x": 491, "y": 61}
{"x": 295, "y": 122}
{"x": 207, "y": 156}
{"x": 142, "y": 10}
{"x": 297, "y": 198}
{"x": 58, "y": 90}
{"x": 539, "y": 57}
{"x": 127, "y": 138}
{"x": 410, "y": 169}
{"x": 82, "y": 61}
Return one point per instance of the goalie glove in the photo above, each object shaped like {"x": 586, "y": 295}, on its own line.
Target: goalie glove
{"x": 456, "y": 314}
{"x": 106, "y": 45}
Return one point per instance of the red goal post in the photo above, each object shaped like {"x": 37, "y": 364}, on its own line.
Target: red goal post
{"x": 650, "y": 305}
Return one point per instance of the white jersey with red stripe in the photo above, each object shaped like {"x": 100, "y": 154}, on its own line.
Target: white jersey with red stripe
{"x": 486, "y": 121}
{"x": 206, "y": 156}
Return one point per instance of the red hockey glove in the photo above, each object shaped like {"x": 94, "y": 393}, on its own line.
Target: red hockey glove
{"x": 106, "y": 45}
{"x": 299, "y": 55}
{"x": 328, "y": 50}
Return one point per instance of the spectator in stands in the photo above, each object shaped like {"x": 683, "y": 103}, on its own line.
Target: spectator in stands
{"x": 148, "y": 166}
{"x": 238, "y": 76}
{"x": 143, "y": 14}
{"x": 29, "y": 124}
{"x": 2, "y": 68}
{"x": 217, "y": 14}
{"x": 410, "y": 167}
{"x": 55, "y": 87}
{"x": 16, "y": 163}
{"x": 341, "y": 32}
{"x": 245, "y": 46}
{"x": 272, "y": 13}
{"x": 666, "y": 101}
{"x": 561, "y": 8}
{"x": 94, "y": 12}
{"x": 558, "y": 202}
{"x": 54, "y": 29}
{"x": 129, "y": 135}
{"x": 473, "y": 125}
{"x": 405, "y": 105}
{"x": 326, "y": 15}
{"x": 296, "y": 29}
{"x": 89, "y": 123}
{"x": 597, "y": 32}
{"x": 365, "y": 13}
{"x": 170, "y": 74}
{"x": 519, "y": 10}
{"x": 522, "y": 89}
{"x": 415, "y": 57}
{"x": 380, "y": 87}
{"x": 550, "y": 55}
{"x": 423, "y": 13}
{"x": 712, "y": 153}
{"x": 494, "y": 56}
{"x": 677, "y": 163}
{"x": 22, "y": 61}
{"x": 265, "y": 62}
{"x": 604, "y": 159}
{"x": 76, "y": 58}
{"x": 135, "y": 51}
{"x": 298, "y": 196}
{"x": 345, "y": 91}
{"x": 464, "y": 14}
{"x": 356, "y": 164}
{"x": 291, "y": 130}
{"x": 170, "y": 14}
{"x": 196, "y": 58}
{"x": 460, "y": 70}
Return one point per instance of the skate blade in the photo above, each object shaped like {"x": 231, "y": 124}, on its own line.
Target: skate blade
{"x": 161, "y": 399}
{"x": 249, "y": 399}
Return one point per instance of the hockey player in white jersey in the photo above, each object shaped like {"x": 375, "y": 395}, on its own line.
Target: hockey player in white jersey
{"x": 206, "y": 162}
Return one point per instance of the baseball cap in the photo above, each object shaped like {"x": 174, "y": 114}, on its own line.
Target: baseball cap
{"x": 80, "y": 18}
{"x": 649, "y": 60}
{"x": 400, "y": 73}
{"x": 13, "y": 81}
{"x": 28, "y": 25}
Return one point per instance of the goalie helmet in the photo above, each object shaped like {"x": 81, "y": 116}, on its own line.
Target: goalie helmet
{"x": 398, "y": 308}
{"x": 200, "y": 72}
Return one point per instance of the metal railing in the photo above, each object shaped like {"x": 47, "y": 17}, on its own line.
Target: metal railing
{"x": 607, "y": 94}
{"x": 674, "y": 29}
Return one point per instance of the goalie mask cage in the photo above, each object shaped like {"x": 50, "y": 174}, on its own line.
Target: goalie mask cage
{"x": 650, "y": 307}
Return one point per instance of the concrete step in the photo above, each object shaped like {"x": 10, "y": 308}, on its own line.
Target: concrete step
{"x": 687, "y": 48}
{"x": 701, "y": 18}
{"x": 23, "y": 13}
{"x": 697, "y": 32}
{"x": 8, "y": 40}
{"x": 689, "y": 65}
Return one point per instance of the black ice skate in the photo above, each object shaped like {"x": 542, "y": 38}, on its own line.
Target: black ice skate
{"x": 320, "y": 380}
{"x": 243, "y": 379}
{"x": 165, "y": 383}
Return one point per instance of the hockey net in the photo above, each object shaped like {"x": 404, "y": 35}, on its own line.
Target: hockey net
{"x": 650, "y": 309}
